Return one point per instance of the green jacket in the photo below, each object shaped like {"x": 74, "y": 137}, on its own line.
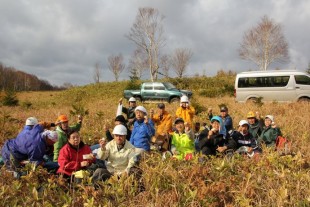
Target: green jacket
{"x": 269, "y": 136}
{"x": 183, "y": 144}
{"x": 63, "y": 138}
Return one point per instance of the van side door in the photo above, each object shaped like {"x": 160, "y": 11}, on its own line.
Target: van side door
{"x": 147, "y": 91}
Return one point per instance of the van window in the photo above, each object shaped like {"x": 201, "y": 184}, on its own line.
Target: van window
{"x": 267, "y": 81}
{"x": 302, "y": 79}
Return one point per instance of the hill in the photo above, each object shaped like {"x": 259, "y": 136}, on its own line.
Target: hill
{"x": 271, "y": 180}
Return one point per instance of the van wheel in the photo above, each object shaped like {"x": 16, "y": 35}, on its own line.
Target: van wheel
{"x": 304, "y": 100}
{"x": 175, "y": 100}
{"x": 252, "y": 100}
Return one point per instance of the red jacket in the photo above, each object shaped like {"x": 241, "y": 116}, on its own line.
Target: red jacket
{"x": 70, "y": 158}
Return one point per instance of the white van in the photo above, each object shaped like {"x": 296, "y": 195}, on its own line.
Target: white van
{"x": 276, "y": 85}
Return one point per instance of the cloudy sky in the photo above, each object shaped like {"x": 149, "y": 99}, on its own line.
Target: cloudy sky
{"x": 61, "y": 40}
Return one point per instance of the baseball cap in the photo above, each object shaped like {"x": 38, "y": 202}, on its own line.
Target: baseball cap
{"x": 223, "y": 108}
{"x": 269, "y": 117}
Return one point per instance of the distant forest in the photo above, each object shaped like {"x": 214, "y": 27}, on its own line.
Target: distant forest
{"x": 12, "y": 79}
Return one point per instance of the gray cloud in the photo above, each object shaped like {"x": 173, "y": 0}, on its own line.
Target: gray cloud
{"x": 60, "y": 41}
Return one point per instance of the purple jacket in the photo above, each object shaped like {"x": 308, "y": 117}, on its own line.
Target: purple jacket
{"x": 28, "y": 144}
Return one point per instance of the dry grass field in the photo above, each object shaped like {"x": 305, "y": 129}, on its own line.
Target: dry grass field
{"x": 271, "y": 180}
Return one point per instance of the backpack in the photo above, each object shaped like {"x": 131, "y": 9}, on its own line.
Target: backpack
{"x": 283, "y": 145}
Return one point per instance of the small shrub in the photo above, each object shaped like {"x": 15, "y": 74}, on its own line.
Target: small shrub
{"x": 26, "y": 104}
{"x": 10, "y": 98}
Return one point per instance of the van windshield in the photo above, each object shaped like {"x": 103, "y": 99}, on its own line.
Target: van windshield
{"x": 266, "y": 81}
{"x": 302, "y": 79}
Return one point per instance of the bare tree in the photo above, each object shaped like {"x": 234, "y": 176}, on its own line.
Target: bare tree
{"x": 147, "y": 33}
{"x": 97, "y": 73}
{"x": 116, "y": 65}
{"x": 264, "y": 44}
{"x": 137, "y": 63}
{"x": 165, "y": 64}
{"x": 180, "y": 60}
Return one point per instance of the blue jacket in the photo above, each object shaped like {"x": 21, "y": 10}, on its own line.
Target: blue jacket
{"x": 28, "y": 144}
{"x": 142, "y": 133}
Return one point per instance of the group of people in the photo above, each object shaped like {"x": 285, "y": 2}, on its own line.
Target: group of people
{"x": 61, "y": 150}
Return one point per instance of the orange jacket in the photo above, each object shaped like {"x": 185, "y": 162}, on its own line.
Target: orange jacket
{"x": 187, "y": 114}
{"x": 164, "y": 125}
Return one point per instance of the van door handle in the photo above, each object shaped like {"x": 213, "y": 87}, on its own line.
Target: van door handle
{"x": 297, "y": 87}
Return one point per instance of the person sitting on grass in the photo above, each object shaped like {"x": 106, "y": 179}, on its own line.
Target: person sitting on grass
{"x": 270, "y": 132}
{"x": 256, "y": 124}
{"x": 120, "y": 156}
{"x": 214, "y": 140}
{"x": 244, "y": 142}
{"x": 63, "y": 129}
{"x": 74, "y": 156}
{"x": 29, "y": 146}
{"x": 182, "y": 143}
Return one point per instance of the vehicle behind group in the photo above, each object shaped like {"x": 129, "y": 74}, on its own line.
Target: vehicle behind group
{"x": 276, "y": 85}
{"x": 157, "y": 91}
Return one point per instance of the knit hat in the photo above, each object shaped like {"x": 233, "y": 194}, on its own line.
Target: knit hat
{"x": 120, "y": 118}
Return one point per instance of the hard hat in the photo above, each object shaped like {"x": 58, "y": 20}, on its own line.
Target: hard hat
{"x": 52, "y": 135}
{"x": 141, "y": 108}
{"x": 216, "y": 118}
{"x": 30, "y": 121}
{"x": 132, "y": 99}
{"x": 62, "y": 118}
{"x": 184, "y": 99}
{"x": 269, "y": 117}
{"x": 250, "y": 114}
{"x": 243, "y": 122}
{"x": 120, "y": 130}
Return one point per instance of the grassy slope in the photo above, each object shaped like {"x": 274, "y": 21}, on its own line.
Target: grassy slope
{"x": 271, "y": 180}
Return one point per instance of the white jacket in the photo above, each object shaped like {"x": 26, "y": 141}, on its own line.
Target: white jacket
{"x": 118, "y": 161}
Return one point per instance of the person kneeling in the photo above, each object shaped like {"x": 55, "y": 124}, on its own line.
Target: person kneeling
{"x": 119, "y": 154}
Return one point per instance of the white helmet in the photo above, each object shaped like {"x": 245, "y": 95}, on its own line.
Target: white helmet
{"x": 30, "y": 121}
{"x": 243, "y": 122}
{"x": 120, "y": 130}
{"x": 132, "y": 99}
{"x": 270, "y": 117}
{"x": 141, "y": 108}
{"x": 184, "y": 99}
{"x": 52, "y": 135}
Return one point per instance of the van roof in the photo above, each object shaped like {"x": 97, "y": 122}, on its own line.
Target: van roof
{"x": 269, "y": 72}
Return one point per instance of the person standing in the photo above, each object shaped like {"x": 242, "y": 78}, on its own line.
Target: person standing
{"x": 130, "y": 111}
{"x": 185, "y": 111}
